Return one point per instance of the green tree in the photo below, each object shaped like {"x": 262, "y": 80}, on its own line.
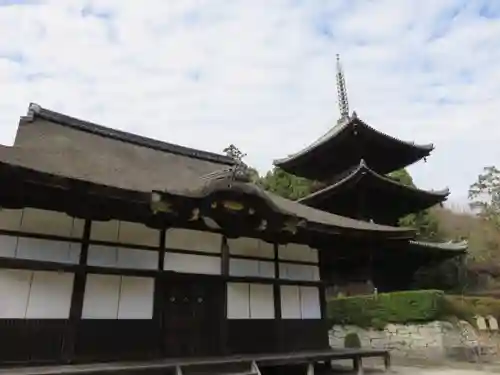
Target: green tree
{"x": 425, "y": 222}
{"x": 485, "y": 195}
{"x": 402, "y": 176}
{"x": 287, "y": 185}
{"x": 254, "y": 175}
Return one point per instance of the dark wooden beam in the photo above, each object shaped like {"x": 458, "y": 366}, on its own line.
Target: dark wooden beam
{"x": 225, "y": 271}
{"x": 161, "y": 251}
{"x": 277, "y": 287}
{"x": 77, "y": 296}
{"x": 36, "y": 265}
{"x": 280, "y": 343}
{"x": 224, "y": 257}
{"x": 159, "y": 293}
{"x": 322, "y": 287}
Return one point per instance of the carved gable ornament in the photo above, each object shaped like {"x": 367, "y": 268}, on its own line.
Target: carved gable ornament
{"x": 227, "y": 200}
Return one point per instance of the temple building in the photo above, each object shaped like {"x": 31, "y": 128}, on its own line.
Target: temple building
{"x": 117, "y": 247}
{"x": 352, "y": 163}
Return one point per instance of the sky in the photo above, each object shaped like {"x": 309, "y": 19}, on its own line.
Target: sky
{"x": 260, "y": 74}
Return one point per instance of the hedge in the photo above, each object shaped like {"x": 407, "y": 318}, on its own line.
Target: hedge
{"x": 378, "y": 310}
{"x": 409, "y": 307}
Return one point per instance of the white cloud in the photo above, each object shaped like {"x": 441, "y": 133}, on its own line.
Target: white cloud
{"x": 261, "y": 74}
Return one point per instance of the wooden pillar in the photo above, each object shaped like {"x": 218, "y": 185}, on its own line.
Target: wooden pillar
{"x": 159, "y": 295}
{"x": 387, "y": 361}
{"x": 276, "y": 285}
{"x": 161, "y": 250}
{"x": 75, "y": 311}
{"x": 225, "y": 273}
{"x": 277, "y": 300}
{"x": 224, "y": 257}
{"x": 322, "y": 297}
{"x": 358, "y": 365}
{"x": 322, "y": 288}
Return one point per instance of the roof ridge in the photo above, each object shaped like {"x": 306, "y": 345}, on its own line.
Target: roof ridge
{"x": 36, "y": 110}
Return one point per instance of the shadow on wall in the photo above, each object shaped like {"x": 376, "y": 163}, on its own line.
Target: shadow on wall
{"x": 352, "y": 341}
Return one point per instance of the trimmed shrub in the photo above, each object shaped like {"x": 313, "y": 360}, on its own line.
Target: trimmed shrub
{"x": 352, "y": 341}
{"x": 398, "y": 307}
{"x": 376, "y": 311}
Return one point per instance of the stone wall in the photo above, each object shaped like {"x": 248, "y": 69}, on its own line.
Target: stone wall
{"x": 433, "y": 341}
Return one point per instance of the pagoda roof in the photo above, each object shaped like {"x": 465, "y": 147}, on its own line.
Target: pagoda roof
{"x": 439, "y": 250}
{"x": 363, "y": 192}
{"x": 345, "y": 145}
{"x": 419, "y": 252}
{"x": 459, "y": 247}
{"x": 62, "y": 152}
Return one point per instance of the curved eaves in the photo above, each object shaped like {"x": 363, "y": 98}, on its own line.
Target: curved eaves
{"x": 359, "y": 172}
{"x": 342, "y": 126}
{"x": 328, "y": 220}
{"x": 460, "y": 247}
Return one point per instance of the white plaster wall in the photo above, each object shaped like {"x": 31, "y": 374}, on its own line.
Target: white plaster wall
{"x": 187, "y": 239}
{"x": 14, "y": 293}
{"x": 124, "y": 232}
{"x": 293, "y": 251}
{"x": 250, "y": 247}
{"x": 35, "y": 294}
{"x": 192, "y": 263}
{"x": 300, "y": 302}
{"x": 118, "y": 297}
{"x": 101, "y": 298}
{"x": 119, "y": 257}
{"x": 39, "y": 249}
{"x": 32, "y": 220}
{"x": 304, "y": 272}
{"x": 238, "y": 301}
{"x": 261, "y": 301}
{"x": 136, "y": 298}
{"x": 310, "y": 307}
{"x": 50, "y": 295}
{"x": 290, "y": 302}
{"x": 105, "y": 231}
{"x": 254, "y": 268}
{"x": 138, "y": 234}
{"x": 36, "y": 221}
{"x": 250, "y": 301}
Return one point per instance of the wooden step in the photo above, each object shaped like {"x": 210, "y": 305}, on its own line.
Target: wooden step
{"x": 230, "y": 368}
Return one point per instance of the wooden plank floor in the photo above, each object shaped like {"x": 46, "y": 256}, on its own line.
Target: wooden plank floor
{"x": 170, "y": 363}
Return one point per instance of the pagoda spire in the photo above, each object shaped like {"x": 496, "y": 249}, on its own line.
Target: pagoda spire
{"x": 342, "y": 92}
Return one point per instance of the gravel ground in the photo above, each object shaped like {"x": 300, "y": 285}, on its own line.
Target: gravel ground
{"x": 375, "y": 367}
{"x": 440, "y": 371}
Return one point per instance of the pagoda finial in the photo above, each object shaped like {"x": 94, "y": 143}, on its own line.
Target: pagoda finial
{"x": 342, "y": 91}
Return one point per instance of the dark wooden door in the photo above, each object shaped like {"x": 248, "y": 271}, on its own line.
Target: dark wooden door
{"x": 193, "y": 315}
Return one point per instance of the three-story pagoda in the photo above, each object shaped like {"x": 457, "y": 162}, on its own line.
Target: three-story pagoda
{"x": 353, "y": 163}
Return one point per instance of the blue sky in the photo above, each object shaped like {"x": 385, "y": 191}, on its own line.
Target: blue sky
{"x": 261, "y": 73}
